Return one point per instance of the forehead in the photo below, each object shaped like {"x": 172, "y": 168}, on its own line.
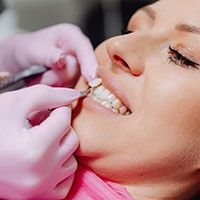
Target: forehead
{"x": 184, "y": 11}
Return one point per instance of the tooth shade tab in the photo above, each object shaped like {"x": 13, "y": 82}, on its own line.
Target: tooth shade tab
{"x": 95, "y": 82}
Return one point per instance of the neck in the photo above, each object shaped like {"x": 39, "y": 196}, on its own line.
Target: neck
{"x": 174, "y": 190}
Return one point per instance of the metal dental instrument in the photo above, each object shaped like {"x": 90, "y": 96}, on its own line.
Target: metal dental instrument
{"x": 18, "y": 81}
{"x": 85, "y": 93}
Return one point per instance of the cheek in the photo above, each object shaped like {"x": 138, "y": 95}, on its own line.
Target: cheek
{"x": 172, "y": 99}
{"x": 102, "y": 55}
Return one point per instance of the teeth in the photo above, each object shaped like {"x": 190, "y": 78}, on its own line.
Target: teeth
{"x": 111, "y": 98}
{"x": 116, "y": 104}
{"x": 106, "y": 104}
{"x": 96, "y": 82}
{"x": 99, "y": 90}
{"x": 105, "y": 94}
{"x": 123, "y": 110}
{"x": 102, "y": 95}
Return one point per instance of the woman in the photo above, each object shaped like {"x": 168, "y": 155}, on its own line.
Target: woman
{"x": 153, "y": 151}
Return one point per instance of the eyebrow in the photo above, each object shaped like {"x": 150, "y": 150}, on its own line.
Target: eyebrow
{"x": 150, "y": 12}
{"x": 179, "y": 27}
{"x": 188, "y": 28}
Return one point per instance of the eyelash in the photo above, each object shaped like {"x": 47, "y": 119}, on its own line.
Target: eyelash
{"x": 177, "y": 58}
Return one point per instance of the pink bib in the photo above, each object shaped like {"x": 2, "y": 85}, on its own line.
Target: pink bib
{"x": 88, "y": 186}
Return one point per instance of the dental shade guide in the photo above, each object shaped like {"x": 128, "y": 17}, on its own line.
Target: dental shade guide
{"x": 93, "y": 84}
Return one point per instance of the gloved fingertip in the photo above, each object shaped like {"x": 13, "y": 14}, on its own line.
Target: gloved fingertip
{"x": 88, "y": 68}
{"x": 89, "y": 74}
{"x": 58, "y": 60}
{"x": 60, "y": 64}
{"x": 88, "y": 78}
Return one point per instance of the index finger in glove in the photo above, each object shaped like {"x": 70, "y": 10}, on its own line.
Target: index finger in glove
{"x": 77, "y": 43}
{"x": 41, "y": 97}
{"x": 86, "y": 58}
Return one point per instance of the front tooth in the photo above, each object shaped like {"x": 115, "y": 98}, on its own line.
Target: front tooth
{"x": 111, "y": 98}
{"x": 105, "y": 94}
{"x": 123, "y": 110}
{"x": 98, "y": 90}
{"x": 116, "y": 104}
{"x": 95, "y": 82}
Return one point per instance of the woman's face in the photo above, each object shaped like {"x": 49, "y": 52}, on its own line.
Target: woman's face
{"x": 155, "y": 71}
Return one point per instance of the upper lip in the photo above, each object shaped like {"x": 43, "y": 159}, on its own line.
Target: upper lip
{"x": 111, "y": 84}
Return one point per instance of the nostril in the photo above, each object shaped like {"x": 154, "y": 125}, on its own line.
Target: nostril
{"x": 121, "y": 61}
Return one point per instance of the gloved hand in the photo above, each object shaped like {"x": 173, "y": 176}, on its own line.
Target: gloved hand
{"x": 61, "y": 47}
{"x": 36, "y": 162}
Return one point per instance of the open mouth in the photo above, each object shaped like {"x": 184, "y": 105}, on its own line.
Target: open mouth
{"x": 102, "y": 95}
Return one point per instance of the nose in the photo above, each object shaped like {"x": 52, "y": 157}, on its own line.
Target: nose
{"x": 126, "y": 52}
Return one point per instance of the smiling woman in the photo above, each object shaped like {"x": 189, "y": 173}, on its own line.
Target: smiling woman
{"x": 154, "y": 73}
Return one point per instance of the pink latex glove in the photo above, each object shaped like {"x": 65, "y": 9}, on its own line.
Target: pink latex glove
{"x": 61, "y": 47}
{"x": 36, "y": 162}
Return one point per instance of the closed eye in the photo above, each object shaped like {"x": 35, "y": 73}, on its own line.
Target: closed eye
{"x": 177, "y": 58}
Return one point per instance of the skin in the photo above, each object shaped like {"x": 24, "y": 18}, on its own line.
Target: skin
{"x": 155, "y": 151}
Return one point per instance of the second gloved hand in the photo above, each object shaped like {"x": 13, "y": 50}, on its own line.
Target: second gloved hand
{"x": 36, "y": 162}
{"x": 61, "y": 47}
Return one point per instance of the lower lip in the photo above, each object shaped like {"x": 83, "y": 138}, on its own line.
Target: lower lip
{"x": 93, "y": 106}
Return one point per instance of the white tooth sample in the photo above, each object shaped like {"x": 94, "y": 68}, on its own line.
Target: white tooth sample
{"x": 104, "y": 94}
{"x": 111, "y": 98}
{"x": 95, "y": 82}
{"x": 116, "y": 104}
{"x": 123, "y": 110}
{"x": 98, "y": 90}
